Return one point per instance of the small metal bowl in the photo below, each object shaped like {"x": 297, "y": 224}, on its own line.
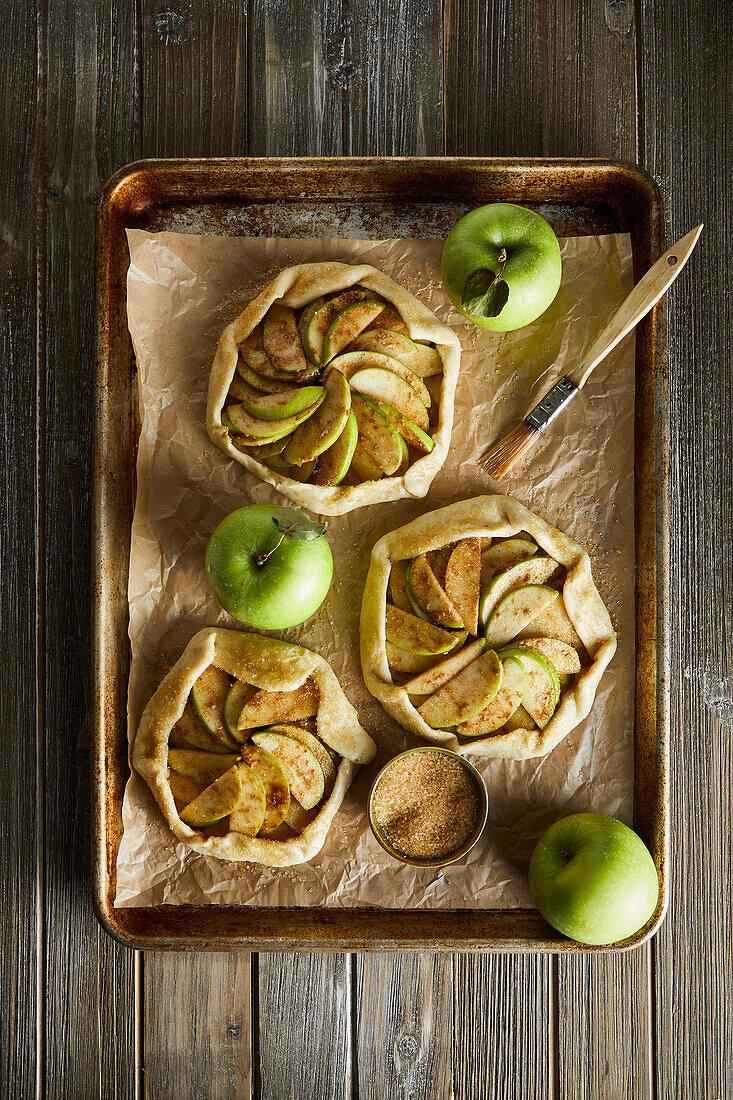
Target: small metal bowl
{"x": 481, "y": 816}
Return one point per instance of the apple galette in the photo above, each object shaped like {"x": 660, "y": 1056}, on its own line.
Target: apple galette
{"x": 249, "y": 746}
{"x": 336, "y": 386}
{"x": 482, "y": 629}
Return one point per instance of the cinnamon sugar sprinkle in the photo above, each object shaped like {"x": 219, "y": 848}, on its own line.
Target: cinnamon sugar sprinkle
{"x": 426, "y": 805}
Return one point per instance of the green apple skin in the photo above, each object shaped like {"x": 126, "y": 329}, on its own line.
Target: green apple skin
{"x": 593, "y": 879}
{"x": 285, "y": 591}
{"x": 533, "y": 267}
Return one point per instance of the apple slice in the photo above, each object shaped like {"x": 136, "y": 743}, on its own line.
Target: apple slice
{"x": 433, "y": 678}
{"x": 183, "y": 789}
{"x": 405, "y": 459}
{"x": 249, "y": 813}
{"x": 299, "y": 819}
{"x": 353, "y": 361}
{"x": 302, "y": 770}
{"x": 315, "y": 745}
{"x": 258, "y": 381}
{"x": 301, "y": 473}
{"x": 347, "y": 326}
{"x": 201, "y": 767}
{"x": 313, "y": 329}
{"x": 215, "y": 802}
{"x": 274, "y": 782}
{"x": 563, "y": 656}
{"x": 409, "y": 431}
{"x": 208, "y": 696}
{"x": 239, "y": 694}
{"x": 281, "y": 341}
{"x": 415, "y": 635}
{"x": 516, "y": 610}
{"x": 322, "y": 430}
{"x": 267, "y": 707}
{"x": 520, "y": 720}
{"x": 253, "y": 354}
{"x": 553, "y": 622}
{"x": 304, "y": 324}
{"x": 501, "y": 556}
{"x": 189, "y": 733}
{"x": 534, "y": 571}
{"x": 503, "y": 705}
{"x": 265, "y": 450}
{"x": 261, "y": 431}
{"x": 543, "y": 687}
{"x": 439, "y": 562}
{"x": 397, "y": 591}
{"x": 239, "y": 390}
{"x": 362, "y": 468}
{"x": 422, "y": 587}
{"x": 463, "y": 582}
{"x": 465, "y": 694}
{"x": 387, "y": 387}
{"x": 421, "y": 359}
{"x": 407, "y": 664}
{"x": 333, "y": 464}
{"x": 390, "y": 318}
{"x": 281, "y": 832}
{"x": 278, "y": 406}
{"x": 248, "y": 445}
{"x": 378, "y": 441}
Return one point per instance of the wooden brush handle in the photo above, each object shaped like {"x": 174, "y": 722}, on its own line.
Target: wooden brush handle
{"x": 645, "y": 294}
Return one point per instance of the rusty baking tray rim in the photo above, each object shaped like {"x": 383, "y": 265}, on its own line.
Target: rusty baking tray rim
{"x": 193, "y": 180}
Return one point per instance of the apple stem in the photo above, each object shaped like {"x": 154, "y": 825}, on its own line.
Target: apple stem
{"x": 501, "y": 258}
{"x": 262, "y": 558}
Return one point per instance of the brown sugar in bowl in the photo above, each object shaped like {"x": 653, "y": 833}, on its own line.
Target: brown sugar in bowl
{"x": 428, "y": 807}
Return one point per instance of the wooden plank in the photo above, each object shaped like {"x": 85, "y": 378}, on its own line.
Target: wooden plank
{"x": 603, "y": 1003}
{"x": 299, "y": 72}
{"x": 404, "y": 1026}
{"x": 504, "y": 1027}
{"x": 395, "y": 80}
{"x": 90, "y": 1001}
{"x": 591, "y": 79}
{"x": 304, "y": 1037}
{"x": 404, "y": 1004}
{"x": 197, "y": 1026}
{"x": 194, "y": 79}
{"x": 605, "y": 1027}
{"x": 21, "y": 831}
{"x": 197, "y": 1034}
{"x": 687, "y": 144}
{"x": 495, "y": 102}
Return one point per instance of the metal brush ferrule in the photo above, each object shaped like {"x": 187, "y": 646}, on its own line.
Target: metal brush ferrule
{"x": 551, "y": 404}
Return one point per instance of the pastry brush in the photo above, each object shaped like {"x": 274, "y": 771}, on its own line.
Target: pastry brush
{"x": 645, "y": 294}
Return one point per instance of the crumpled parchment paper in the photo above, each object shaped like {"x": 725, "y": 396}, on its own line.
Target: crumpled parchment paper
{"x": 182, "y": 290}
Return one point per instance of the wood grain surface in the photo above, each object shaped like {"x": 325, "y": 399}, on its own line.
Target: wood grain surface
{"x": 93, "y": 84}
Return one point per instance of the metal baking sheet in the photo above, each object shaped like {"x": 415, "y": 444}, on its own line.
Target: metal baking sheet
{"x": 361, "y": 197}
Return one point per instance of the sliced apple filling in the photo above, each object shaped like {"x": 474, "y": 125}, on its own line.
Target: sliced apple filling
{"x": 246, "y": 760}
{"x": 478, "y": 636}
{"x": 333, "y": 393}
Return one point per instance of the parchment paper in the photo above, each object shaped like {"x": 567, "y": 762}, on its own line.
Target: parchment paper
{"x": 182, "y": 290}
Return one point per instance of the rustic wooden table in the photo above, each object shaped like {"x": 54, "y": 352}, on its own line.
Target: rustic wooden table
{"x": 90, "y": 85}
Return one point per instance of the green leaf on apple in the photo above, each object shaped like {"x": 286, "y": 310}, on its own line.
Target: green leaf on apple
{"x": 295, "y": 525}
{"x": 485, "y": 293}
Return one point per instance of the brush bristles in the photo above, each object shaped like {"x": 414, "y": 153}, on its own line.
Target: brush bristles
{"x": 508, "y": 450}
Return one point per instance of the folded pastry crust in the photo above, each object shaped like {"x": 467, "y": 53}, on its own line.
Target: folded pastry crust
{"x": 273, "y": 665}
{"x": 296, "y": 287}
{"x": 497, "y": 517}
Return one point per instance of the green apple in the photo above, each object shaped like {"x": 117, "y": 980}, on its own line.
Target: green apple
{"x": 501, "y": 266}
{"x": 593, "y": 879}
{"x": 270, "y": 568}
